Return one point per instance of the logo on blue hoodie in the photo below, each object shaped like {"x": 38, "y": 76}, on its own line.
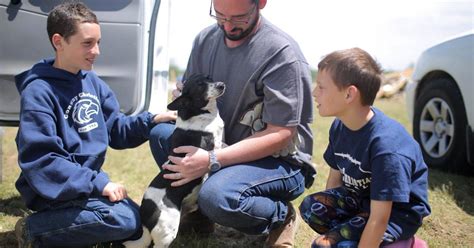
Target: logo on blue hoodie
{"x": 84, "y": 107}
{"x": 83, "y": 111}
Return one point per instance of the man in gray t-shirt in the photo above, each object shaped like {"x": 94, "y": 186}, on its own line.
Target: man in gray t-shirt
{"x": 266, "y": 109}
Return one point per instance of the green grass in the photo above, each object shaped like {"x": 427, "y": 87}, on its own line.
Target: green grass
{"x": 451, "y": 223}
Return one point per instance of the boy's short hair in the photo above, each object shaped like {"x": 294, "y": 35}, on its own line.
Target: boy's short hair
{"x": 354, "y": 67}
{"x": 63, "y": 19}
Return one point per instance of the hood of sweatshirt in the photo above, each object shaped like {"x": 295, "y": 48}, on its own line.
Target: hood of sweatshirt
{"x": 45, "y": 70}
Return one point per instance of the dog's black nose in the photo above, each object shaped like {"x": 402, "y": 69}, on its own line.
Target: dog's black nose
{"x": 220, "y": 85}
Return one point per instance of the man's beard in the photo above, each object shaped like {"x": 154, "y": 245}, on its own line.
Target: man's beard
{"x": 243, "y": 33}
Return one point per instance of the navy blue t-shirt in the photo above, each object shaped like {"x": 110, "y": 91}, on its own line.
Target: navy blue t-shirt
{"x": 381, "y": 161}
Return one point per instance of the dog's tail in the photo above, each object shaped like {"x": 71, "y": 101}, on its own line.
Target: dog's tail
{"x": 143, "y": 242}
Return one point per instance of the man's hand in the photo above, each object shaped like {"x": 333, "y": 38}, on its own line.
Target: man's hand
{"x": 165, "y": 117}
{"x": 177, "y": 92}
{"x": 115, "y": 192}
{"x": 193, "y": 165}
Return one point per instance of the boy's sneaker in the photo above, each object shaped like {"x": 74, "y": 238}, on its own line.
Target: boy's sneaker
{"x": 21, "y": 235}
{"x": 284, "y": 235}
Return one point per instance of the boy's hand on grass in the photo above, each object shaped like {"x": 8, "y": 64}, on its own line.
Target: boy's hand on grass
{"x": 114, "y": 191}
{"x": 165, "y": 117}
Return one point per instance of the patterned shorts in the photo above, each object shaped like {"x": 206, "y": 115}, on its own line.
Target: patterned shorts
{"x": 336, "y": 214}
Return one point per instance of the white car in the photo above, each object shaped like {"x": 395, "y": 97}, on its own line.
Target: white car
{"x": 440, "y": 101}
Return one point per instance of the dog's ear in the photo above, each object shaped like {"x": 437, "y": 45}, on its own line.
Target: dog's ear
{"x": 178, "y": 103}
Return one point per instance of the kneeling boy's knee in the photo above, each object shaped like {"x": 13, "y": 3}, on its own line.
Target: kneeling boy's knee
{"x": 125, "y": 222}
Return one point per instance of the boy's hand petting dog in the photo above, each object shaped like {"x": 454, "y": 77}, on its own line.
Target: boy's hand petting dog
{"x": 165, "y": 117}
{"x": 193, "y": 165}
{"x": 115, "y": 191}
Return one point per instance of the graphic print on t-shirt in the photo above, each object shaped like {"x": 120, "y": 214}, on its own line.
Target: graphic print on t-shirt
{"x": 354, "y": 177}
{"x": 253, "y": 119}
{"x": 82, "y": 109}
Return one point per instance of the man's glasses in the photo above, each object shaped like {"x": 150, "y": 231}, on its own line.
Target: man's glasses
{"x": 235, "y": 20}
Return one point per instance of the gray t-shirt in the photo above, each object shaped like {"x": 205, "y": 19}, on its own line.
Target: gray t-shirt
{"x": 267, "y": 81}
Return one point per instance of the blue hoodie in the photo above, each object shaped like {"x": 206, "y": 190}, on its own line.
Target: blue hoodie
{"x": 67, "y": 121}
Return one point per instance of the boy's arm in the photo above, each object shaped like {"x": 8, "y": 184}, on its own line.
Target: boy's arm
{"x": 377, "y": 223}
{"x": 125, "y": 131}
{"x": 334, "y": 179}
{"x": 165, "y": 117}
{"x": 49, "y": 169}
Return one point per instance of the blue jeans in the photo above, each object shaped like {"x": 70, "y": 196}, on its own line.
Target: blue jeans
{"x": 84, "y": 222}
{"x": 251, "y": 197}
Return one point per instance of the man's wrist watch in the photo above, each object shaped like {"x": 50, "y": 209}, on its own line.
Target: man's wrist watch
{"x": 214, "y": 165}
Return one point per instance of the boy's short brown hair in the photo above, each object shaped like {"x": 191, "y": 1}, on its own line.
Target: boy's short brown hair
{"x": 354, "y": 67}
{"x": 63, "y": 19}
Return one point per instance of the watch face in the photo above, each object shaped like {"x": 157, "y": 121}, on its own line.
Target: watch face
{"x": 215, "y": 167}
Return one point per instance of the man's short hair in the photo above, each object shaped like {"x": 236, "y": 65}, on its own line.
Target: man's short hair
{"x": 63, "y": 19}
{"x": 354, "y": 67}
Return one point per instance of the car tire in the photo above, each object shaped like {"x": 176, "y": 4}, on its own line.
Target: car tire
{"x": 439, "y": 125}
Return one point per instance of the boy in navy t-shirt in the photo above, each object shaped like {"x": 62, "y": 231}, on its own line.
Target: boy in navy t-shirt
{"x": 376, "y": 192}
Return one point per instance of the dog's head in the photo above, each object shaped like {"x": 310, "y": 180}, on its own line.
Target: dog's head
{"x": 198, "y": 96}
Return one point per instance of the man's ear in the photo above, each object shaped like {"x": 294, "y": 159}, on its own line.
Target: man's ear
{"x": 178, "y": 103}
{"x": 57, "y": 41}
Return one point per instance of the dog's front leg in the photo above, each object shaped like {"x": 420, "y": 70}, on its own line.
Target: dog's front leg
{"x": 143, "y": 242}
{"x": 166, "y": 229}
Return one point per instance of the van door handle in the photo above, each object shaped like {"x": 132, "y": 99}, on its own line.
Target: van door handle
{"x": 15, "y": 2}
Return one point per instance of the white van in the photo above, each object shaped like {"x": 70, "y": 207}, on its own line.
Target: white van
{"x": 133, "y": 61}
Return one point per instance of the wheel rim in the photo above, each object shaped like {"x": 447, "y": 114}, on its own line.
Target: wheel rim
{"x": 436, "y": 127}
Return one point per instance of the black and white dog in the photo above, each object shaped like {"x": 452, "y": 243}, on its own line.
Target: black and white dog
{"x": 198, "y": 124}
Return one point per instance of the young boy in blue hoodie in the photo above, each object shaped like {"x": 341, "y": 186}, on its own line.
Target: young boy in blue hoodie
{"x": 68, "y": 118}
{"x": 376, "y": 191}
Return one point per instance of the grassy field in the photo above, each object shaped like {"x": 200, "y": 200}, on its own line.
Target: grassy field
{"x": 451, "y": 196}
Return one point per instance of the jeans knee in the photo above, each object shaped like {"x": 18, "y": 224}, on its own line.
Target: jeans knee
{"x": 127, "y": 229}
{"x": 159, "y": 134}
{"x": 212, "y": 201}
{"x": 159, "y": 141}
{"x": 125, "y": 221}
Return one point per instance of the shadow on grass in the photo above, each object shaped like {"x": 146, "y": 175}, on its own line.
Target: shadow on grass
{"x": 222, "y": 237}
{"x": 8, "y": 240}
{"x": 13, "y": 206}
{"x": 461, "y": 188}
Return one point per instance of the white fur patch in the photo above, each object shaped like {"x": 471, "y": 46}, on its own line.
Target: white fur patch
{"x": 144, "y": 240}
{"x": 166, "y": 229}
{"x": 209, "y": 122}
